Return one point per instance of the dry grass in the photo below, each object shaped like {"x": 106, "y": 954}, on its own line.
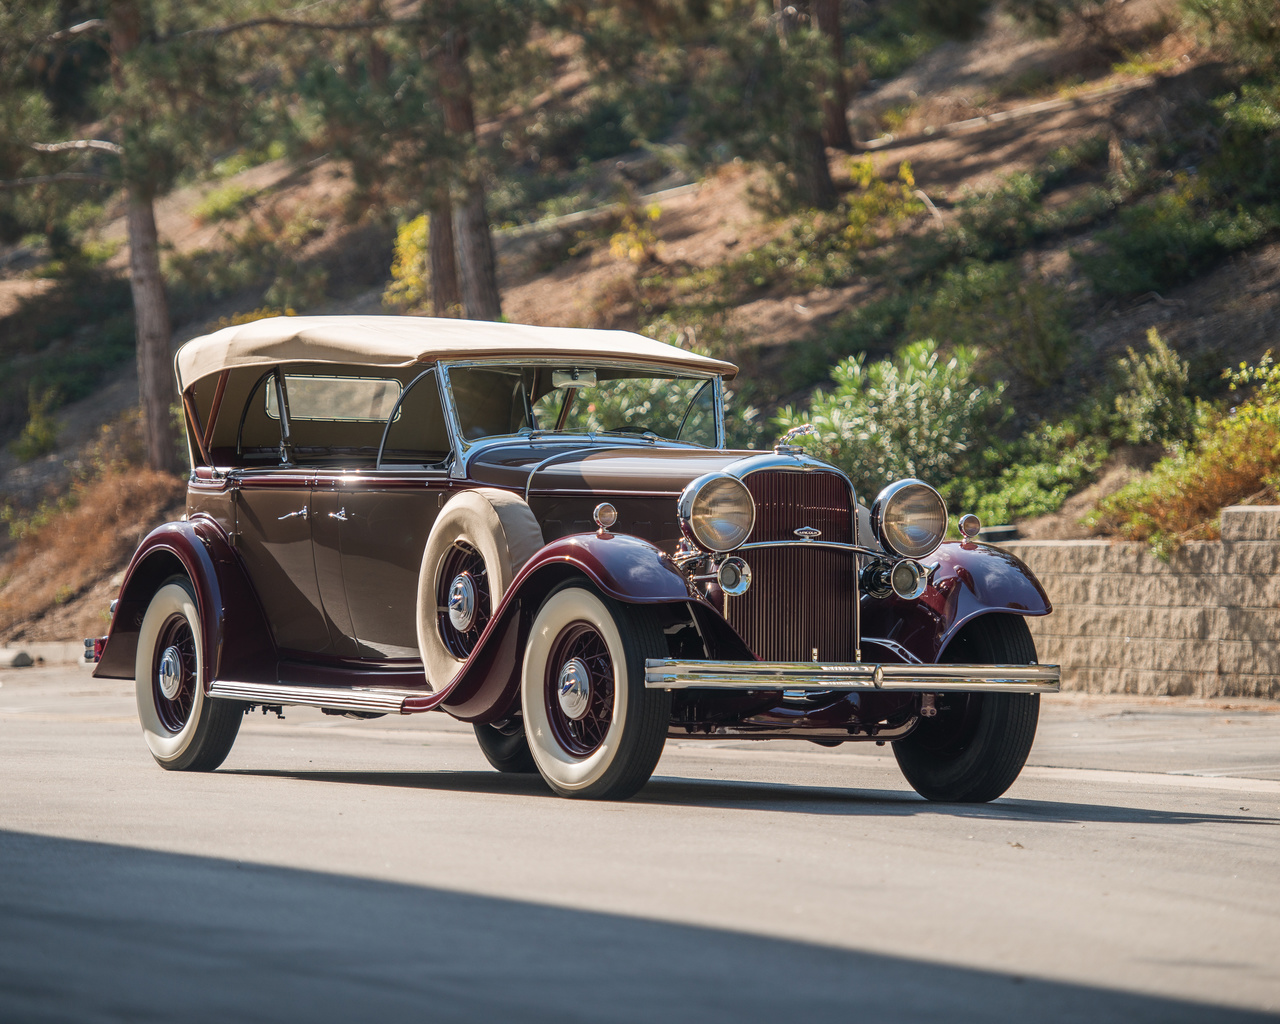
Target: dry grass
{"x": 85, "y": 544}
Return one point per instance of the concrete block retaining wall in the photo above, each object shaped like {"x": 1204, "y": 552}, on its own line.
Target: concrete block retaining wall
{"x": 1204, "y": 624}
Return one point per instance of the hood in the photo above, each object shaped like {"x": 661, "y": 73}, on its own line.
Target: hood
{"x": 568, "y": 468}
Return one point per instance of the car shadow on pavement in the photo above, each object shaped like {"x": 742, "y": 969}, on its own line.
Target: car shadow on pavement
{"x": 775, "y": 796}
{"x": 93, "y": 931}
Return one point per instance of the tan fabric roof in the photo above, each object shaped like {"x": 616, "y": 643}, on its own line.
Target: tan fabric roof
{"x": 405, "y": 340}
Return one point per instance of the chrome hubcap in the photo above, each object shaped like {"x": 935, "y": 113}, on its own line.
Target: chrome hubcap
{"x": 169, "y": 675}
{"x": 462, "y": 602}
{"x": 574, "y": 688}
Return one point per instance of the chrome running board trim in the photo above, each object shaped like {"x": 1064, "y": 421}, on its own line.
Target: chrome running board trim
{"x": 675, "y": 674}
{"x": 345, "y": 698}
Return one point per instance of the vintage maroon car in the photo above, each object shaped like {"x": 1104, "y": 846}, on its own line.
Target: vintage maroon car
{"x": 540, "y": 531}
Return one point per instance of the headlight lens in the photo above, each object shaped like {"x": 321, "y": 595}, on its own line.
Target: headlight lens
{"x": 716, "y": 512}
{"x": 909, "y": 518}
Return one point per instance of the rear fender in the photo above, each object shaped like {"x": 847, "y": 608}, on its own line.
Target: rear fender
{"x": 625, "y": 568}
{"x": 237, "y": 643}
{"x": 971, "y": 580}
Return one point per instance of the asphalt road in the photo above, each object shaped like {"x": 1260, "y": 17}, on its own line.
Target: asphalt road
{"x": 344, "y": 871}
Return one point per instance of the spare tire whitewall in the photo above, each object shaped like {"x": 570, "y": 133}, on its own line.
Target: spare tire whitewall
{"x": 593, "y": 729}
{"x": 479, "y": 541}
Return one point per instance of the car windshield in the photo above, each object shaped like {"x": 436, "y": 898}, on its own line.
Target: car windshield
{"x": 494, "y": 401}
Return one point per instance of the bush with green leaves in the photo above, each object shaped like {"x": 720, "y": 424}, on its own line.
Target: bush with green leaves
{"x": 1154, "y": 407}
{"x": 1248, "y": 30}
{"x": 1030, "y": 477}
{"x": 921, "y": 414}
{"x": 1021, "y": 319}
{"x": 1168, "y": 240}
{"x": 1232, "y": 457}
{"x": 40, "y": 434}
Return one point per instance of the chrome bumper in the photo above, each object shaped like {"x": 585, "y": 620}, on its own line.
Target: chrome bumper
{"x": 673, "y": 674}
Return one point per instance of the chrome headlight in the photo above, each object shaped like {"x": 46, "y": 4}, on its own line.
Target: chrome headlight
{"x": 909, "y": 518}
{"x": 716, "y": 512}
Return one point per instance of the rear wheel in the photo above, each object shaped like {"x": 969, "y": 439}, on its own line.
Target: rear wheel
{"x": 184, "y": 729}
{"x": 976, "y": 745}
{"x": 594, "y": 730}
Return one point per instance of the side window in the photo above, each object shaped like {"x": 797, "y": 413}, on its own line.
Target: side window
{"x": 418, "y": 435}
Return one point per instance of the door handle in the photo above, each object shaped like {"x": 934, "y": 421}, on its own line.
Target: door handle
{"x": 340, "y": 515}
{"x": 289, "y": 515}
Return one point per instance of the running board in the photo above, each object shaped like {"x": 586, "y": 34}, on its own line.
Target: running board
{"x": 382, "y": 701}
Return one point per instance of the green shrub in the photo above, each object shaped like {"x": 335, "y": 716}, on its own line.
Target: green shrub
{"x": 917, "y": 415}
{"x": 1168, "y": 240}
{"x": 1020, "y": 319}
{"x": 1042, "y": 469}
{"x": 40, "y": 435}
{"x": 1154, "y": 407}
{"x": 1232, "y": 458}
{"x": 1248, "y": 30}
{"x": 1247, "y": 164}
{"x": 223, "y": 203}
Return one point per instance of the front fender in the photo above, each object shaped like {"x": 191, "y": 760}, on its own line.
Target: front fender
{"x": 625, "y": 568}
{"x": 237, "y": 643}
{"x": 971, "y": 580}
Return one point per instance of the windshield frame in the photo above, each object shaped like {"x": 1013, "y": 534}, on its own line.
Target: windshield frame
{"x": 545, "y": 434}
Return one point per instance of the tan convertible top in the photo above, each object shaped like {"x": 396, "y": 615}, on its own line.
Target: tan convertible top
{"x": 405, "y": 340}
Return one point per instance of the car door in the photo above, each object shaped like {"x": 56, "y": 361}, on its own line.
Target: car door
{"x": 273, "y": 528}
{"x": 386, "y": 515}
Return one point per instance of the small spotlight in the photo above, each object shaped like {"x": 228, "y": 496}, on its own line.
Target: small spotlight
{"x": 734, "y": 576}
{"x": 908, "y": 579}
{"x": 969, "y": 525}
{"x": 605, "y": 515}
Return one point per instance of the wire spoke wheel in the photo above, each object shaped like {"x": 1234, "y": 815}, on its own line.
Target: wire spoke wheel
{"x": 175, "y": 674}
{"x": 185, "y": 729}
{"x": 464, "y": 599}
{"x": 580, "y": 661}
{"x": 593, "y": 728}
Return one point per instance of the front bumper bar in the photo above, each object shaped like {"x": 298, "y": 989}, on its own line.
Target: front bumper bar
{"x": 675, "y": 674}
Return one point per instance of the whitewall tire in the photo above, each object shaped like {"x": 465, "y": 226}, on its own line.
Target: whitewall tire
{"x": 593, "y": 729}
{"x": 184, "y": 729}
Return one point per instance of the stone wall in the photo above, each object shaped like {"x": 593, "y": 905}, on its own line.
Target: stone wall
{"x": 1205, "y": 624}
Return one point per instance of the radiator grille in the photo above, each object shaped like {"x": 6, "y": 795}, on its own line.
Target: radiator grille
{"x": 802, "y": 596}
{"x": 788, "y": 500}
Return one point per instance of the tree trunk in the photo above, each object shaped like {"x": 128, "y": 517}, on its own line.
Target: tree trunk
{"x": 835, "y": 99}
{"x": 811, "y": 172}
{"x": 151, "y": 314}
{"x": 446, "y": 300}
{"x": 809, "y": 169}
{"x": 150, "y": 302}
{"x": 476, "y": 265}
{"x": 477, "y": 268}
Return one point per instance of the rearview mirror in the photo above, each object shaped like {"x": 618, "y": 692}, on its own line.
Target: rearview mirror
{"x": 575, "y": 378}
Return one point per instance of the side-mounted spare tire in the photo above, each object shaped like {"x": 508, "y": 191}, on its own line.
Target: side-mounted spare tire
{"x": 478, "y": 543}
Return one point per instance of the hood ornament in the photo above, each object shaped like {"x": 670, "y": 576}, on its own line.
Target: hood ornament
{"x": 786, "y": 445}
{"x": 807, "y": 532}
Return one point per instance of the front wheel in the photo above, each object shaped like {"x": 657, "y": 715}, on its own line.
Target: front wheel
{"x": 976, "y": 745}
{"x": 594, "y": 730}
{"x": 184, "y": 729}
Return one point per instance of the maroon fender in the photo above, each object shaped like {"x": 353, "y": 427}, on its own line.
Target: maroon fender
{"x": 971, "y": 580}
{"x": 623, "y": 567}
{"x": 237, "y": 643}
